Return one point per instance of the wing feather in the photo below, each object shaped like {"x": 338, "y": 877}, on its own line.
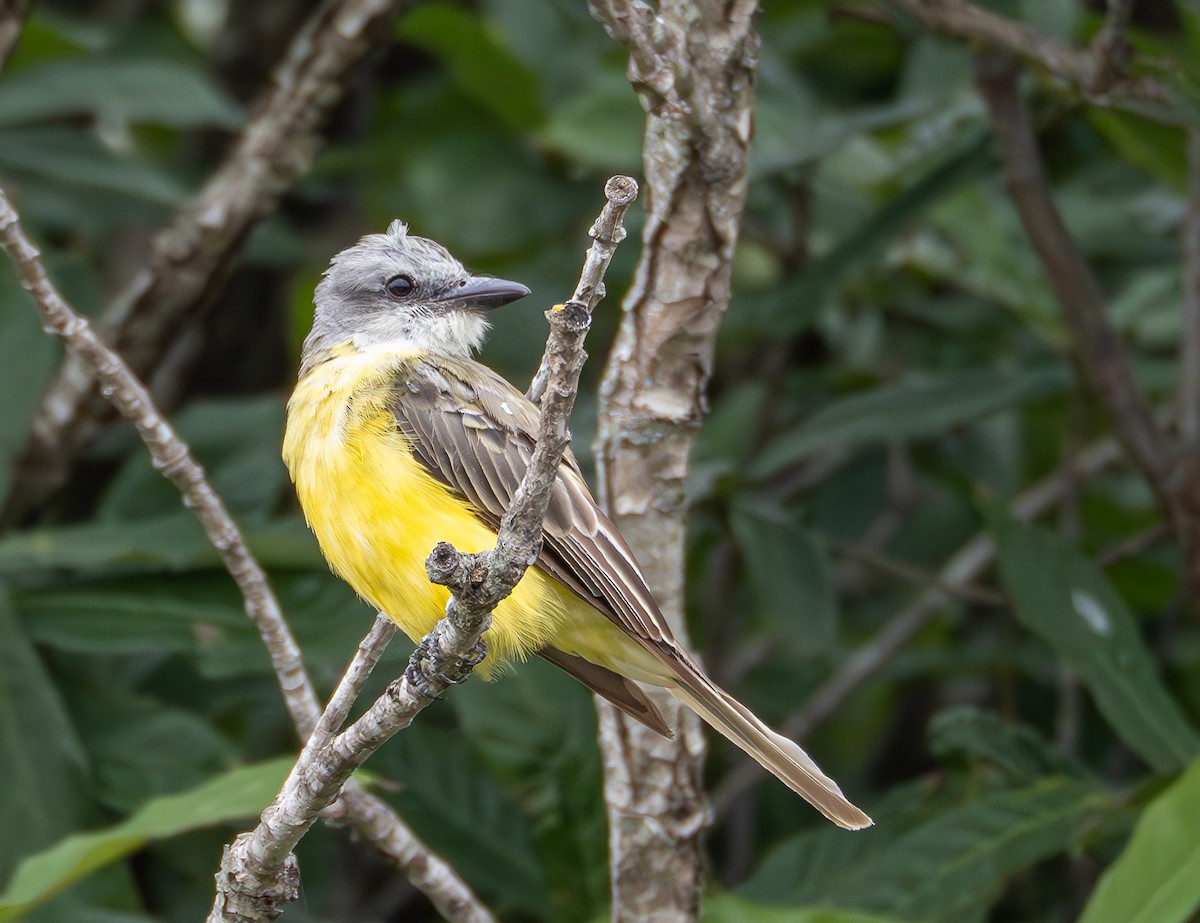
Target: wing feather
{"x": 475, "y": 433}
{"x": 477, "y": 438}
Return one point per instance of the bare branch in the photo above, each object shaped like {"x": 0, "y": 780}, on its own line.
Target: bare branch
{"x": 606, "y": 233}
{"x": 1110, "y": 50}
{"x": 172, "y": 457}
{"x": 965, "y": 567}
{"x": 1096, "y": 343}
{"x": 370, "y": 649}
{"x": 692, "y": 65}
{"x": 189, "y": 255}
{"x": 257, "y": 871}
{"x": 982, "y": 28}
{"x": 12, "y": 19}
{"x": 1133, "y": 545}
{"x": 1189, "y": 377}
{"x": 913, "y": 573}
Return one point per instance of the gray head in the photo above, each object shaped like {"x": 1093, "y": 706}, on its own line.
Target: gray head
{"x": 406, "y": 291}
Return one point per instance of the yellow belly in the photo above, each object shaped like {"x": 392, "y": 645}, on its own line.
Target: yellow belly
{"x": 377, "y": 513}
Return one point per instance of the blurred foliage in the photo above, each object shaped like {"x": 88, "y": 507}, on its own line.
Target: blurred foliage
{"x": 892, "y": 372}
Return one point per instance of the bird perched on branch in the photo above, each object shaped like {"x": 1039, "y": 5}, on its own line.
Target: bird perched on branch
{"x": 397, "y": 439}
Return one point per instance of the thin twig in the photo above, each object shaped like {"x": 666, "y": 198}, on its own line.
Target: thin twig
{"x": 12, "y": 20}
{"x": 370, "y": 816}
{"x": 1133, "y": 545}
{"x": 963, "y": 568}
{"x": 606, "y": 233}
{"x": 273, "y": 151}
{"x": 914, "y": 573}
{"x": 370, "y": 649}
{"x": 173, "y": 459}
{"x": 984, "y": 29}
{"x": 257, "y": 871}
{"x": 1097, "y": 346}
{"x": 1189, "y": 376}
{"x": 1110, "y": 50}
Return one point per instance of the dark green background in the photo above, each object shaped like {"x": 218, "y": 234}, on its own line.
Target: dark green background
{"x": 892, "y": 372}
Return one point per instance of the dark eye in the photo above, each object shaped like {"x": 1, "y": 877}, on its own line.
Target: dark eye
{"x": 400, "y": 286}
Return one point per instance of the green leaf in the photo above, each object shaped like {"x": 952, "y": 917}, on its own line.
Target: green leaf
{"x": 153, "y": 91}
{"x": 234, "y": 795}
{"x": 955, "y": 863}
{"x": 1067, "y": 601}
{"x": 1017, "y": 749}
{"x": 126, "y": 619}
{"x": 171, "y": 542}
{"x": 789, "y": 577}
{"x": 27, "y": 354}
{"x": 1154, "y": 879}
{"x": 792, "y": 131}
{"x": 910, "y": 409}
{"x": 77, "y": 159}
{"x": 478, "y": 61}
{"x": 165, "y": 543}
{"x": 236, "y": 441}
{"x": 536, "y": 730}
{"x": 1146, "y": 143}
{"x": 124, "y": 736}
{"x": 729, "y": 908}
{"x": 790, "y": 307}
{"x": 601, "y": 127}
{"x": 457, "y": 807}
{"x": 42, "y": 762}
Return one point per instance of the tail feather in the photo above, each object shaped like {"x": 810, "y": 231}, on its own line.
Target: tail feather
{"x": 780, "y": 756}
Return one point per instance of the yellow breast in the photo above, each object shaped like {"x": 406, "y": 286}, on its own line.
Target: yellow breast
{"x": 377, "y": 513}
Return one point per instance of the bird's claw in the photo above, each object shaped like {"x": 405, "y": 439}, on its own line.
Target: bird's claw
{"x": 417, "y": 678}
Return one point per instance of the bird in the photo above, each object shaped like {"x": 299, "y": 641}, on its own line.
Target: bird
{"x": 398, "y": 439}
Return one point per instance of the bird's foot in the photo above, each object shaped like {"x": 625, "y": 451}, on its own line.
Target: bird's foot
{"x": 454, "y": 673}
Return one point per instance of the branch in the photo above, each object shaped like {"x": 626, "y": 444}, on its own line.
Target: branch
{"x": 12, "y": 19}
{"x": 257, "y": 871}
{"x": 1099, "y": 349}
{"x": 913, "y": 573}
{"x": 606, "y": 233}
{"x": 370, "y": 816}
{"x": 965, "y": 567}
{"x": 692, "y": 63}
{"x": 370, "y": 649}
{"x": 982, "y": 28}
{"x": 189, "y": 256}
{"x": 1097, "y": 345}
{"x": 1110, "y": 50}
{"x": 1189, "y": 377}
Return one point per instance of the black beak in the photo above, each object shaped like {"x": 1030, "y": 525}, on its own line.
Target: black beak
{"x": 482, "y": 292}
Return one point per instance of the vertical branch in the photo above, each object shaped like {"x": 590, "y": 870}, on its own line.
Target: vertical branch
{"x": 1110, "y": 49}
{"x": 1097, "y": 346}
{"x": 1189, "y": 377}
{"x": 692, "y": 65}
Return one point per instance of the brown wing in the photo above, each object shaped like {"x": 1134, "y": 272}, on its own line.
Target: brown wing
{"x": 475, "y": 433}
{"x": 622, "y": 692}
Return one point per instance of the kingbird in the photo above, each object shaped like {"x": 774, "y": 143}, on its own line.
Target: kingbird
{"x": 397, "y": 439}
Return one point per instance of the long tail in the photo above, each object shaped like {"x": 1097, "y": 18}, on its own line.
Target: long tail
{"x": 782, "y": 757}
